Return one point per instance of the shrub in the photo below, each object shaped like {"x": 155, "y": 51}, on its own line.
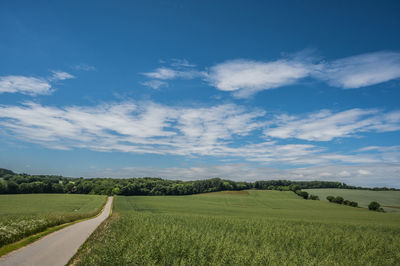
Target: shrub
{"x": 353, "y": 204}
{"x": 338, "y": 200}
{"x": 313, "y": 197}
{"x": 302, "y": 194}
{"x": 375, "y": 206}
{"x": 346, "y": 202}
{"x": 330, "y": 198}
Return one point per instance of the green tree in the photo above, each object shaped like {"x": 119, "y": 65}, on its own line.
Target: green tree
{"x": 330, "y": 198}
{"x": 338, "y": 200}
{"x": 374, "y": 206}
{"x": 353, "y": 204}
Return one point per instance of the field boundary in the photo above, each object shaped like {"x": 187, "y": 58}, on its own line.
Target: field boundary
{"x": 4, "y": 250}
{"x": 75, "y": 259}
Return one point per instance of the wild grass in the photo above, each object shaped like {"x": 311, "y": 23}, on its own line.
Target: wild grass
{"x": 389, "y": 200}
{"x": 258, "y": 228}
{"x": 27, "y": 214}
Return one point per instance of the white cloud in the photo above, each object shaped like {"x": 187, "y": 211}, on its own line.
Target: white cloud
{"x": 325, "y": 125}
{"x": 247, "y": 77}
{"x": 244, "y": 78}
{"x": 361, "y": 70}
{"x": 141, "y": 128}
{"x": 165, "y": 73}
{"x": 31, "y": 85}
{"x": 225, "y": 131}
{"x": 178, "y": 69}
{"x": 61, "y": 75}
{"x": 155, "y": 84}
{"x": 363, "y": 172}
{"x": 25, "y": 85}
{"x": 181, "y": 63}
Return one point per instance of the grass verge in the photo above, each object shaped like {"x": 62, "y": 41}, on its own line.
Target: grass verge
{"x": 4, "y": 250}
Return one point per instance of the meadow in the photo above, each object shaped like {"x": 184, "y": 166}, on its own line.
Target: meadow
{"x": 27, "y": 214}
{"x": 241, "y": 228}
{"x": 389, "y": 200}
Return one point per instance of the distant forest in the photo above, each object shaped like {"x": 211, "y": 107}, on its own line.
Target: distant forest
{"x": 12, "y": 183}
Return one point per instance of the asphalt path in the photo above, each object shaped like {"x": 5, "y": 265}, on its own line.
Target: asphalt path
{"x": 57, "y": 248}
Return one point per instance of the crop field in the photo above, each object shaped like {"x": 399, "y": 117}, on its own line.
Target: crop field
{"x": 246, "y": 228}
{"x": 389, "y": 200}
{"x": 27, "y": 214}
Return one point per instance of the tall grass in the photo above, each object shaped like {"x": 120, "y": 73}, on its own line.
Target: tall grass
{"x": 24, "y": 215}
{"x": 165, "y": 231}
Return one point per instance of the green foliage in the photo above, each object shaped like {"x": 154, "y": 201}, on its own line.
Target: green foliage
{"x": 302, "y": 194}
{"x": 24, "y": 215}
{"x": 330, "y": 198}
{"x": 353, "y": 204}
{"x": 11, "y": 183}
{"x": 375, "y": 206}
{"x": 338, "y": 200}
{"x": 254, "y": 228}
{"x": 389, "y": 200}
{"x": 313, "y": 197}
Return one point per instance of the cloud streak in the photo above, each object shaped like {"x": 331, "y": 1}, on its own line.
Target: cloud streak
{"x": 326, "y": 125}
{"x": 245, "y": 78}
{"x": 226, "y": 131}
{"x": 24, "y": 85}
{"x": 31, "y": 85}
{"x": 361, "y": 70}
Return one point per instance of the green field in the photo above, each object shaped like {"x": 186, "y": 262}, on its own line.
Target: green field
{"x": 241, "y": 228}
{"x": 26, "y": 214}
{"x": 389, "y": 200}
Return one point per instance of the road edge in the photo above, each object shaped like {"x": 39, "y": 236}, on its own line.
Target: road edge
{"x": 74, "y": 260}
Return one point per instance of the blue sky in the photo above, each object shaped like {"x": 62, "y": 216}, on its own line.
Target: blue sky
{"x": 244, "y": 90}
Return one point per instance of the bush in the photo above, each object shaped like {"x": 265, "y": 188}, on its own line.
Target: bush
{"x": 375, "y": 206}
{"x": 353, "y": 204}
{"x": 338, "y": 200}
{"x": 313, "y": 197}
{"x": 346, "y": 202}
{"x": 330, "y": 198}
{"x": 302, "y": 194}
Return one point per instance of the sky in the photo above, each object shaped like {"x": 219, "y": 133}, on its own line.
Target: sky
{"x": 242, "y": 90}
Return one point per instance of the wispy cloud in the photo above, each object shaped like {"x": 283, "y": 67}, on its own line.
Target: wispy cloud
{"x": 326, "y": 125}
{"x": 155, "y": 84}
{"x": 31, "y": 85}
{"x": 361, "y": 70}
{"x": 25, "y": 85}
{"x": 244, "y": 77}
{"x": 221, "y": 131}
{"x": 175, "y": 69}
{"x": 165, "y": 73}
{"x": 60, "y": 75}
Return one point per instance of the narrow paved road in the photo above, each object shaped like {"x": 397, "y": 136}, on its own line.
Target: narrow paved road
{"x": 57, "y": 248}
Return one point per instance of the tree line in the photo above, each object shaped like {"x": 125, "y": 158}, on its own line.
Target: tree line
{"x": 13, "y": 183}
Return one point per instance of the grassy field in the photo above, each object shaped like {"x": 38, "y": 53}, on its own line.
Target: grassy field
{"x": 241, "y": 228}
{"x": 26, "y": 214}
{"x": 390, "y": 200}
